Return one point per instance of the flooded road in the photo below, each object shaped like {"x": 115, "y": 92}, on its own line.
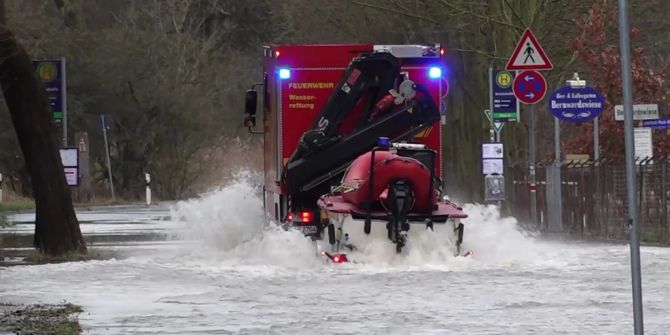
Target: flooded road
{"x": 212, "y": 266}
{"x": 108, "y": 231}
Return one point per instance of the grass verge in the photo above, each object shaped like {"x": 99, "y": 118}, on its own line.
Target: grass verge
{"x": 16, "y": 205}
{"x": 59, "y": 319}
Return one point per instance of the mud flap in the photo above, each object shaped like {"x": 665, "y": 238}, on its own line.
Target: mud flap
{"x": 331, "y": 234}
{"x": 429, "y": 224}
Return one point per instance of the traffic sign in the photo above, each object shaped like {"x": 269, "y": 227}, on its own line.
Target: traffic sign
{"x": 528, "y": 54}
{"x": 52, "y": 74}
{"x": 530, "y": 87}
{"x": 497, "y": 126}
{"x": 487, "y": 112}
{"x": 643, "y": 143}
{"x": 576, "y": 104}
{"x": 640, "y": 112}
{"x": 494, "y": 188}
{"x": 493, "y": 166}
{"x": 70, "y": 159}
{"x": 493, "y": 150}
{"x": 105, "y": 122}
{"x": 658, "y": 124}
{"x": 504, "y": 104}
{"x": 83, "y": 147}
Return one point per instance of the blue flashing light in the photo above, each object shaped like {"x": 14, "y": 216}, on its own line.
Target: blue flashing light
{"x": 383, "y": 142}
{"x": 284, "y": 73}
{"x": 435, "y": 72}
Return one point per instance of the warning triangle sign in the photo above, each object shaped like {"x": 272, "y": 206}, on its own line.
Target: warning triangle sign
{"x": 528, "y": 54}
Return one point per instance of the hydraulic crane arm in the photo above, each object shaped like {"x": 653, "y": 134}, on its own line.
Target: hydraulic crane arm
{"x": 369, "y": 77}
{"x": 384, "y": 108}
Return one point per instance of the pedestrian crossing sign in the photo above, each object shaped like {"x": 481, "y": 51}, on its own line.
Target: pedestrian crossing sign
{"x": 528, "y": 54}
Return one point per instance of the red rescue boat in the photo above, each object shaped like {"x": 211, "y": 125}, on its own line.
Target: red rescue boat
{"x": 396, "y": 184}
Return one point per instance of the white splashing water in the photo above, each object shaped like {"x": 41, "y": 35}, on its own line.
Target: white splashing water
{"x": 230, "y": 223}
{"x": 497, "y": 239}
{"x": 224, "y": 218}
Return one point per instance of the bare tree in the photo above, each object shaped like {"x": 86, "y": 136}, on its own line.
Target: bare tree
{"x": 56, "y": 226}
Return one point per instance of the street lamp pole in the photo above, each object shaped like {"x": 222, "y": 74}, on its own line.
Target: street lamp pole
{"x": 633, "y": 220}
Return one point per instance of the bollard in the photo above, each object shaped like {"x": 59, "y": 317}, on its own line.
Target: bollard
{"x": 147, "y": 179}
{"x": 0, "y": 187}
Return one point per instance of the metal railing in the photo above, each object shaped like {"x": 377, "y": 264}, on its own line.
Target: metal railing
{"x": 594, "y": 198}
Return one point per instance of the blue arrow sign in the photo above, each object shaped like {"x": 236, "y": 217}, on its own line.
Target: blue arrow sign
{"x": 530, "y": 87}
{"x": 659, "y": 124}
{"x": 576, "y": 104}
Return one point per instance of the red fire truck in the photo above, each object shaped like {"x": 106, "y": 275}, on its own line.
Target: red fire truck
{"x": 323, "y": 106}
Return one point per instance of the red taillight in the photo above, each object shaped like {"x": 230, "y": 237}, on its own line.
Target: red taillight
{"x": 340, "y": 258}
{"x": 306, "y": 217}
{"x": 303, "y": 217}
{"x": 442, "y": 51}
{"x": 336, "y": 258}
{"x": 277, "y": 54}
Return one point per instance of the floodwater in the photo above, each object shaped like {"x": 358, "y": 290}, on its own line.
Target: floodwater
{"x": 213, "y": 266}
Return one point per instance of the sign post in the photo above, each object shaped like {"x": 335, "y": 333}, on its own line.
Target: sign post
{"x": 104, "y": 119}
{"x": 530, "y": 87}
{"x": 633, "y": 224}
{"x": 532, "y": 184}
{"x": 579, "y": 103}
{"x": 491, "y": 104}
{"x": 596, "y": 139}
{"x": 503, "y": 107}
{"x": 147, "y": 181}
{"x": 82, "y": 142}
{"x": 52, "y": 73}
{"x": 574, "y": 102}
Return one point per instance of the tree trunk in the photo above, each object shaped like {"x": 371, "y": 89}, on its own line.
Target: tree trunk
{"x": 56, "y": 226}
